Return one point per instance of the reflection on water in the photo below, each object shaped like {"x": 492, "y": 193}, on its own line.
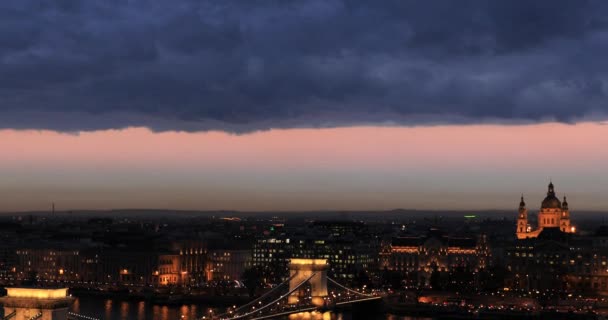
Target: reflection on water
{"x": 141, "y": 310}
{"x": 124, "y": 310}
{"x": 76, "y": 306}
{"x": 108, "y": 309}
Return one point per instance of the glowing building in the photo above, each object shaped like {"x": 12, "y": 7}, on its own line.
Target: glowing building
{"x": 436, "y": 252}
{"x": 553, "y": 214}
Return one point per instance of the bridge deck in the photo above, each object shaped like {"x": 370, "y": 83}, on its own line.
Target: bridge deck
{"x": 308, "y": 309}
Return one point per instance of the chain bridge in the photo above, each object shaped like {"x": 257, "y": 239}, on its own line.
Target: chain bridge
{"x": 307, "y": 289}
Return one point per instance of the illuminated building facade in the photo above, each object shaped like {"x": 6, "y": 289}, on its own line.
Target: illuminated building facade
{"x": 56, "y": 264}
{"x": 169, "y": 270}
{"x": 553, "y": 214}
{"x": 196, "y": 263}
{"x": 421, "y": 256}
{"x": 193, "y": 257}
{"x": 184, "y": 264}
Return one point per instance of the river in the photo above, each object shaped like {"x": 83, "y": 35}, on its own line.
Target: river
{"x": 109, "y": 309}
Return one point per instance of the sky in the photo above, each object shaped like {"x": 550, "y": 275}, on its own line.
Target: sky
{"x": 302, "y": 105}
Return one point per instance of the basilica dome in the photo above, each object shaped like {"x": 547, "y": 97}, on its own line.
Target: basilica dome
{"x": 551, "y": 201}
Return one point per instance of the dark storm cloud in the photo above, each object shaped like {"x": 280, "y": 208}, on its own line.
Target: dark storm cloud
{"x": 245, "y": 65}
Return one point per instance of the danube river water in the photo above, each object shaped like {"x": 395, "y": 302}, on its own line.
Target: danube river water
{"x": 109, "y": 309}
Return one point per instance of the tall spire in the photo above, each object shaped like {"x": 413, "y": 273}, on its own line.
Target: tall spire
{"x": 522, "y": 203}
{"x": 551, "y": 189}
{"x": 565, "y": 203}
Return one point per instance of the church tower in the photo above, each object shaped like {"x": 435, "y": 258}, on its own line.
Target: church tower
{"x": 565, "y": 218}
{"x": 522, "y": 220}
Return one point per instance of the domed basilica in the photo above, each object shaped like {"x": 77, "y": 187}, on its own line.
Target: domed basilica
{"x": 553, "y": 214}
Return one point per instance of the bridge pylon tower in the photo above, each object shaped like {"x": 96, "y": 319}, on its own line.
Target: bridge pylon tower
{"x": 316, "y": 270}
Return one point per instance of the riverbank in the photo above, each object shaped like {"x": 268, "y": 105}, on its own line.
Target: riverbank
{"x": 170, "y": 299}
{"x": 456, "y": 313}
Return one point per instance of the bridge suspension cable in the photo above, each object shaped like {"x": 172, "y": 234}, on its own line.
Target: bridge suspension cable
{"x": 348, "y": 289}
{"x": 10, "y": 315}
{"x": 274, "y": 301}
{"x": 273, "y": 290}
{"x": 76, "y": 316}
{"x": 36, "y": 316}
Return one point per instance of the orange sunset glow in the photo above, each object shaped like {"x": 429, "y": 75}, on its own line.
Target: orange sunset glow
{"x": 217, "y": 170}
